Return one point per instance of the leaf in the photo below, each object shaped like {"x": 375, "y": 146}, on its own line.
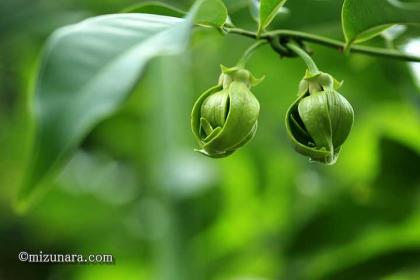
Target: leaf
{"x": 268, "y": 10}
{"x": 210, "y": 13}
{"x": 363, "y": 20}
{"x": 254, "y": 10}
{"x": 157, "y": 8}
{"x": 87, "y": 70}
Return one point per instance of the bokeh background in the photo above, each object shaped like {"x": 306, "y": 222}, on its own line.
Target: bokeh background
{"x": 136, "y": 189}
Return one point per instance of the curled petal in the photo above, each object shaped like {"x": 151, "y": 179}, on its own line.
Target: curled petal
{"x": 225, "y": 117}
{"x": 320, "y": 120}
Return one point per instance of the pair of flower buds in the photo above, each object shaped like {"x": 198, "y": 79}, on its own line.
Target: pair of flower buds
{"x": 225, "y": 117}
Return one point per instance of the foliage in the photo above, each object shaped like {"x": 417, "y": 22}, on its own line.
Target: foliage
{"x": 268, "y": 10}
{"x": 73, "y": 93}
{"x": 363, "y": 20}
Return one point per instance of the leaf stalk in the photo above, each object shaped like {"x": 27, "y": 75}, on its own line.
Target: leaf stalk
{"x": 324, "y": 41}
{"x": 312, "y": 68}
{"x": 249, "y": 52}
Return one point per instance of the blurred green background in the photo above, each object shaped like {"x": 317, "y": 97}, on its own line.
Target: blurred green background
{"x": 135, "y": 188}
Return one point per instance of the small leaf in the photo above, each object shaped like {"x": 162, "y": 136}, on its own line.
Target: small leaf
{"x": 363, "y": 20}
{"x": 157, "y": 8}
{"x": 210, "y": 13}
{"x": 87, "y": 70}
{"x": 268, "y": 10}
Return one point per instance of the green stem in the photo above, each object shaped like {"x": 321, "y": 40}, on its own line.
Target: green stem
{"x": 327, "y": 42}
{"x": 249, "y": 52}
{"x": 312, "y": 68}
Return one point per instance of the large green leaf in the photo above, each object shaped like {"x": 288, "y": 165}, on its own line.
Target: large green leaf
{"x": 268, "y": 10}
{"x": 210, "y": 13}
{"x": 362, "y": 20}
{"x": 87, "y": 70}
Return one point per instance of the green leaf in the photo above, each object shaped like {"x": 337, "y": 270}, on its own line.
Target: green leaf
{"x": 268, "y": 10}
{"x": 210, "y": 13}
{"x": 157, "y": 8}
{"x": 363, "y": 20}
{"x": 87, "y": 70}
{"x": 254, "y": 10}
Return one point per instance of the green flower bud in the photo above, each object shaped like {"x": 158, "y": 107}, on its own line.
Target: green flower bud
{"x": 320, "y": 120}
{"x": 225, "y": 117}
